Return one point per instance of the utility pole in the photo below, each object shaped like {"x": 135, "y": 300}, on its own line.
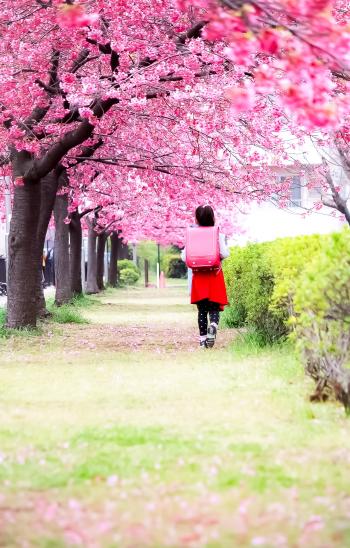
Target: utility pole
{"x": 134, "y": 254}
{"x": 158, "y": 266}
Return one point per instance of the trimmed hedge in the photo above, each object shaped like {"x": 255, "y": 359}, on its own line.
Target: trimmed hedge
{"x": 261, "y": 281}
{"x": 322, "y": 319}
{"x": 301, "y": 287}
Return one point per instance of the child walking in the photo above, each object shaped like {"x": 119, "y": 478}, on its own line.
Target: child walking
{"x": 208, "y": 289}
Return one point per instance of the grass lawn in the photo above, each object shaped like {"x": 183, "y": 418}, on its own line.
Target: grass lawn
{"x": 122, "y": 433}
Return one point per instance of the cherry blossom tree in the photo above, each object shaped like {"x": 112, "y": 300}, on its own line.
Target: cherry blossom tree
{"x": 71, "y": 75}
{"x": 74, "y": 76}
{"x": 142, "y": 110}
{"x": 297, "y": 51}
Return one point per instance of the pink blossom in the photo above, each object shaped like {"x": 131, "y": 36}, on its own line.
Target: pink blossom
{"x": 74, "y": 16}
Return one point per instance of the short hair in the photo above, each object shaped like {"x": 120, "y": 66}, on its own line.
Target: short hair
{"x": 205, "y": 216}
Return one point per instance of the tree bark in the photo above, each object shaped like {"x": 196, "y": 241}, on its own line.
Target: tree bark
{"x": 62, "y": 259}
{"x": 23, "y": 257}
{"x": 76, "y": 240}
{"x": 48, "y": 188}
{"x": 91, "y": 285}
{"x": 101, "y": 245}
{"x": 113, "y": 262}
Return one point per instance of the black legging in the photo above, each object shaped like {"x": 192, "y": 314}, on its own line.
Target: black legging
{"x": 206, "y": 307}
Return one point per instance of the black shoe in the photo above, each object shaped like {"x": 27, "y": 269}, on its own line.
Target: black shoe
{"x": 203, "y": 344}
{"x": 212, "y": 329}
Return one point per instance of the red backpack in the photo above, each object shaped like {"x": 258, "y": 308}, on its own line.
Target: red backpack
{"x": 203, "y": 248}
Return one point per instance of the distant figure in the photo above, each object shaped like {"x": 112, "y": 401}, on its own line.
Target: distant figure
{"x": 49, "y": 268}
{"x": 43, "y": 266}
{"x": 208, "y": 289}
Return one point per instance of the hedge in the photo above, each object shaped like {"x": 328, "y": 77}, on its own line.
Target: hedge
{"x": 298, "y": 287}
{"x": 322, "y": 319}
{"x": 261, "y": 281}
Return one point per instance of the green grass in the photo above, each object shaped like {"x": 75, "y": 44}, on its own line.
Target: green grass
{"x": 164, "y": 444}
{"x": 6, "y": 333}
{"x": 71, "y": 312}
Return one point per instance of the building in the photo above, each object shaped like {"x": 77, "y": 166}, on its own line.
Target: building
{"x": 267, "y": 221}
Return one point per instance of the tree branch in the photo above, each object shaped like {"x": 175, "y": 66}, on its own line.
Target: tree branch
{"x": 71, "y": 139}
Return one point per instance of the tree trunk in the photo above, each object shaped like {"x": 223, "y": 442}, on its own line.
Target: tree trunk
{"x": 113, "y": 262}
{"x": 48, "y": 188}
{"x": 101, "y": 246}
{"x": 91, "y": 285}
{"x": 76, "y": 240}
{"x": 62, "y": 261}
{"x": 23, "y": 257}
{"x": 124, "y": 252}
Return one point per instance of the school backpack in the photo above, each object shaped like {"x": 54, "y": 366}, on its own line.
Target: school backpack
{"x": 202, "y": 248}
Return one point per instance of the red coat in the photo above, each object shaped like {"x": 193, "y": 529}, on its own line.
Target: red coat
{"x": 209, "y": 285}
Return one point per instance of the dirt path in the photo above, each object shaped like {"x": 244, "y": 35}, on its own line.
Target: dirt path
{"x": 123, "y": 433}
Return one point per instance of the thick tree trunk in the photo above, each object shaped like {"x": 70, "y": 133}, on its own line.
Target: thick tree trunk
{"x": 23, "y": 257}
{"x": 101, "y": 245}
{"x": 113, "y": 262}
{"x": 62, "y": 260}
{"x": 91, "y": 285}
{"x": 48, "y": 187}
{"x": 76, "y": 239}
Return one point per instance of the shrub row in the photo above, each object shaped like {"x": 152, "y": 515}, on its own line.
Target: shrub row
{"x": 301, "y": 287}
{"x": 261, "y": 281}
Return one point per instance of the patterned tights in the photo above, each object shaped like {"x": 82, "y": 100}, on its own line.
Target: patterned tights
{"x": 206, "y": 307}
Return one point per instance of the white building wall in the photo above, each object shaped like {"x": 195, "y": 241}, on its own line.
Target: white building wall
{"x": 267, "y": 222}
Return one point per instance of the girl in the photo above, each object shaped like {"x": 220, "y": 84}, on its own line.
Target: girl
{"x": 208, "y": 290}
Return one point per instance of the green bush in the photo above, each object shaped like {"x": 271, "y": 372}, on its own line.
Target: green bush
{"x": 173, "y": 266}
{"x": 289, "y": 258}
{"x": 262, "y": 279}
{"x": 234, "y": 315}
{"x": 129, "y": 276}
{"x": 250, "y": 281}
{"x": 322, "y": 320}
{"x": 126, "y": 263}
{"x": 128, "y": 272}
{"x": 299, "y": 286}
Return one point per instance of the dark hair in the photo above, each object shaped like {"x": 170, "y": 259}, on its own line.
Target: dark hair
{"x": 205, "y": 216}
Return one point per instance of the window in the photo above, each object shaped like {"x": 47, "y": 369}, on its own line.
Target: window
{"x": 295, "y": 192}
{"x": 291, "y": 197}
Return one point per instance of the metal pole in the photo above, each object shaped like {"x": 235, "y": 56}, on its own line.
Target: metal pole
{"x": 134, "y": 254}
{"x": 158, "y": 266}
{"x": 107, "y": 260}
